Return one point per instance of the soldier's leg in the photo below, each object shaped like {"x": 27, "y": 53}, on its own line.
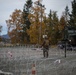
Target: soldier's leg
{"x": 47, "y": 53}
{"x": 43, "y": 53}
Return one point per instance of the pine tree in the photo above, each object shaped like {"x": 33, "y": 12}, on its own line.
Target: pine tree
{"x": 67, "y": 14}
{"x": 50, "y": 23}
{"x": 53, "y": 23}
{"x": 50, "y": 18}
{"x": 26, "y": 22}
{"x": 73, "y": 14}
{"x": 62, "y": 26}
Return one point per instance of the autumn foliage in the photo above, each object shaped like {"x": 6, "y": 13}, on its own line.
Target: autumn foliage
{"x": 40, "y": 24}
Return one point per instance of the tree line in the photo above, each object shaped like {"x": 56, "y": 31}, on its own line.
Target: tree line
{"x": 29, "y": 25}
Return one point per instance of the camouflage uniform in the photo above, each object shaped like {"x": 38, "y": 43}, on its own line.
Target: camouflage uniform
{"x": 45, "y": 46}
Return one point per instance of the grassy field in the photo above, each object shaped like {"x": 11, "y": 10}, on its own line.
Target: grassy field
{"x": 19, "y": 61}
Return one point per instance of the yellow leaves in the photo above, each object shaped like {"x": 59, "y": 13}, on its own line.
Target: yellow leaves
{"x": 33, "y": 32}
{"x": 17, "y": 21}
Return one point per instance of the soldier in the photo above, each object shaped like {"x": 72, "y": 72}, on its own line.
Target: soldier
{"x": 45, "y": 46}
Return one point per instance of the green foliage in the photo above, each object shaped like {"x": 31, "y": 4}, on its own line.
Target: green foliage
{"x": 62, "y": 26}
{"x": 66, "y": 14}
{"x": 30, "y": 25}
{"x": 73, "y": 14}
{"x": 26, "y": 23}
{"x": 53, "y": 31}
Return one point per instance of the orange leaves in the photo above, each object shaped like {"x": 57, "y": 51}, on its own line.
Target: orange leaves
{"x": 14, "y": 24}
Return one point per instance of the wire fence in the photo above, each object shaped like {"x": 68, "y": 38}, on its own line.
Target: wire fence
{"x": 19, "y": 61}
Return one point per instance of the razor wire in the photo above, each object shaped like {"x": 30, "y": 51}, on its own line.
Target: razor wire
{"x": 23, "y": 57}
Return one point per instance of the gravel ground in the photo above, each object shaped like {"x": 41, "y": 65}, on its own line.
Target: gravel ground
{"x": 19, "y": 60}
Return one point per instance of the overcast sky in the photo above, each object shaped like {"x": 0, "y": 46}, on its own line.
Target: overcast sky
{"x": 8, "y": 6}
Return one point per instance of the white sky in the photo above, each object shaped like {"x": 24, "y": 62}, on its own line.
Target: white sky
{"x": 8, "y": 6}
